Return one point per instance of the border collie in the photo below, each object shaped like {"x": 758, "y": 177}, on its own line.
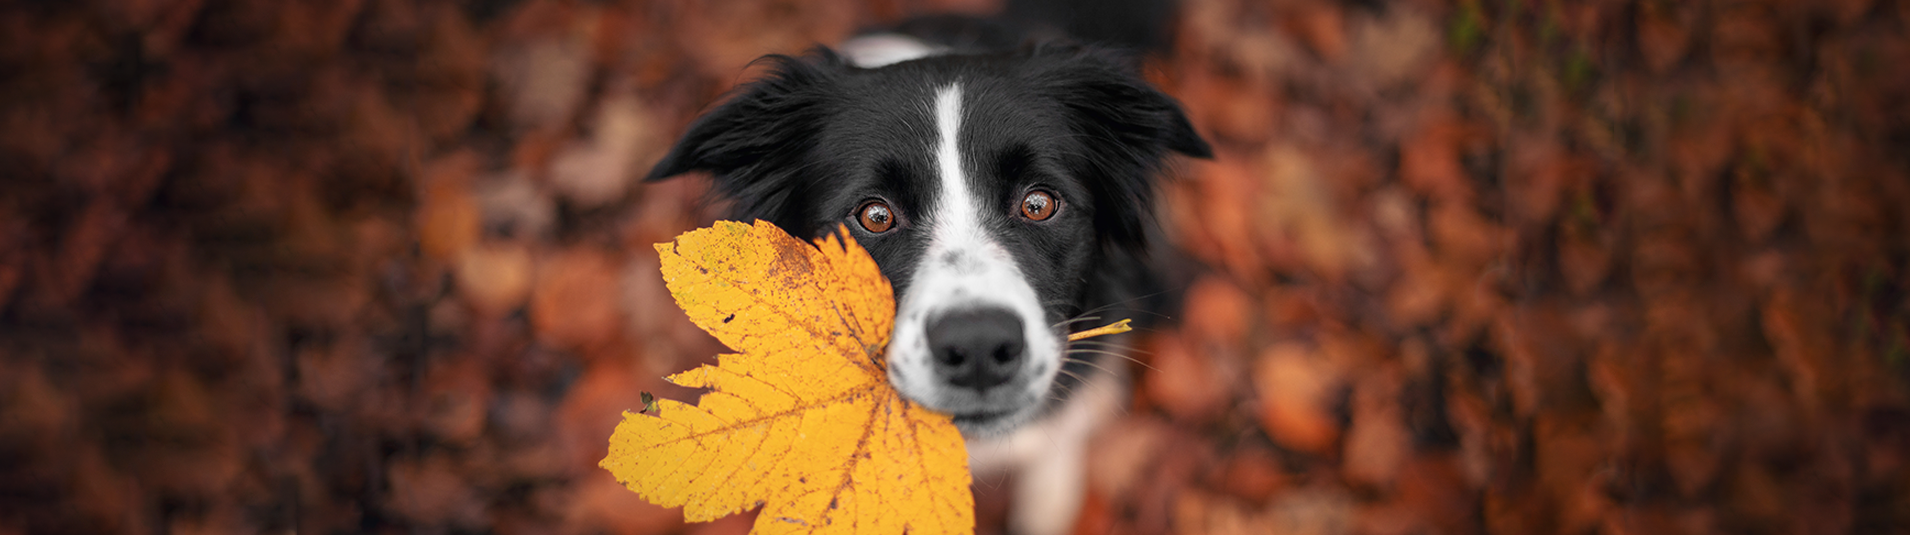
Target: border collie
{"x": 1007, "y": 196}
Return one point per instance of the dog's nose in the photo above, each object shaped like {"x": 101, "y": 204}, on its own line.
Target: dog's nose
{"x": 978, "y": 348}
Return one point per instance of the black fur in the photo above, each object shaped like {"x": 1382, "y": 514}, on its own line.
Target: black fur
{"x": 811, "y": 141}
{"x": 766, "y": 144}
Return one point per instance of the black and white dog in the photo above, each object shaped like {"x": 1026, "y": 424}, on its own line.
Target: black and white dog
{"x": 1005, "y": 195}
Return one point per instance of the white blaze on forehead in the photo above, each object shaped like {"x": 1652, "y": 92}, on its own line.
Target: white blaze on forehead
{"x": 955, "y": 210}
{"x": 965, "y": 267}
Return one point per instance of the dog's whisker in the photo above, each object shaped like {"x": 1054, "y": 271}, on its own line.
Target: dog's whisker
{"x": 1103, "y": 346}
{"x": 1076, "y": 377}
{"x": 1151, "y": 313}
{"x": 1089, "y": 350}
{"x": 1065, "y": 390}
{"x": 996, "y": 482}
{"x": 1062, "y": 396}
{"x": 1108, "y": 353}
{"x": 1082, "y": 380}
{"x": 1106, "y": 344}
{"x": 1135, "y": 299}
{"x": 1076, "y": 320}
{"x": 1091, "y": 365}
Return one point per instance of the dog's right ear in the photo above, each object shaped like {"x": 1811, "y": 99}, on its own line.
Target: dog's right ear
{"x": 762, "y": 124}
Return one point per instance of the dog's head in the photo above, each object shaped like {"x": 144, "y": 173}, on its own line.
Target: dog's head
{"x": 988, "y": 189}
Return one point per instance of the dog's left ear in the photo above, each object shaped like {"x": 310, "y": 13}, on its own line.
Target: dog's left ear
{"x": 753, "y": 143}
{"x": 1131, "y": 126}
{"x": 761, "y": 123}
{"x": 1107, "y": 93}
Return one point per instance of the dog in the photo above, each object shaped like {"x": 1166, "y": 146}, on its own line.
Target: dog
{"x": 1006, "y": 195}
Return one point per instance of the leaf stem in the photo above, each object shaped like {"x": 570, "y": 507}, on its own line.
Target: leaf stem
{"x": 1111, "y": 328}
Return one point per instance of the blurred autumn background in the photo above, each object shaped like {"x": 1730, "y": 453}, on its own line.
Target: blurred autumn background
{"x": 1479, "y": 266}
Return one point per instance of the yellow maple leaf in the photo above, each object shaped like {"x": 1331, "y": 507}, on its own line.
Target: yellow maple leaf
{"x": 802, "y": 421}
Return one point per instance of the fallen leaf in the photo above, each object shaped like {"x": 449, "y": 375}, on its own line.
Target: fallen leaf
{"x": 455, "y": 400}
{"x": 433, "y": 490}
{"x": 495, "y": 276}
{"x": 603, "y": 506}
{"x": 1322, "y": 28}
{"x": 1253, "y": 474}
{"x": 1218, "y": 311}
{"x": 598, "y": 172}
{"x": 1294, "y": 386}
{"x": 574, "y": 303}
{"x": 802, "y": 421}
{"x": 1377, "y": 442}
{"x": 448, "y": 218}
{"x": 1186, "y": 381}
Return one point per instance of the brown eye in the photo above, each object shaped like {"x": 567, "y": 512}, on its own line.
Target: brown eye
{"x": 876, "y": 217}
{"x": 1039, "y": 205}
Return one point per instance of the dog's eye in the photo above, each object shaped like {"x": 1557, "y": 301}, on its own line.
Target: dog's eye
{"x": 1039, "y": 205}
{"x": 875, "y": 217}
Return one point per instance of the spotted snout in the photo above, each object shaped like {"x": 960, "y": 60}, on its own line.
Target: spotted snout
{"x": 977, "y": 349}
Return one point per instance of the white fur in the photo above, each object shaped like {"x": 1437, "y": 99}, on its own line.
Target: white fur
{"x": 1049, "y": 456}
{"x": 964, "y": 267}
{"x": 876, "y": 50}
